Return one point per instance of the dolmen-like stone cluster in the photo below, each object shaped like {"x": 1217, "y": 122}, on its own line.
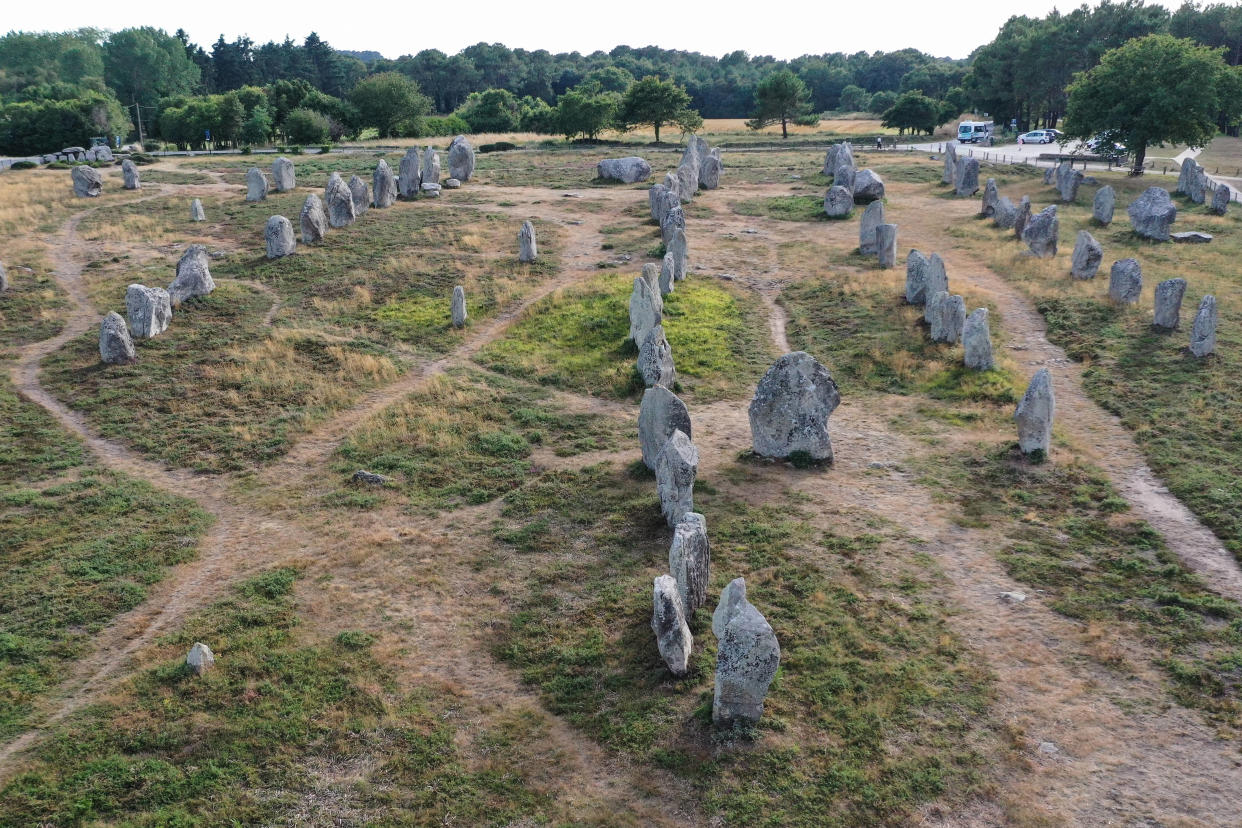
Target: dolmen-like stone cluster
{"x": 850, "y": 185}
{"x": 927, "y": 285}
{"x": 149, "y": 311}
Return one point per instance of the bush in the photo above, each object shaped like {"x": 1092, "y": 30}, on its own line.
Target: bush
{"x": 445, "y": 125}
{"x": 245, "y": 150}
{"x": 141, "y": 159}
{"x": 152, "y": 146}
{"x": 325, "y": 148}
{"x": 499, "y": 146}
{"x": 306, "y": 126}
{"x": 295, "y": 149}
{"x": 59, "y": 165}
{"x": 23, "y": 165}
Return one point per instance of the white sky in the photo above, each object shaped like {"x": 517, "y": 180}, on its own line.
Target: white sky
{"x": 784, "y": 29}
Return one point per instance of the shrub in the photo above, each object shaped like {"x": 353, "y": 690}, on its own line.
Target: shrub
{"x": 443, "y": 126}
{"x": 245, "y": 150}
{"x": 306, "y": 126}
{"x": 23, "y": 165}
{"x": 499, "y": 146}
{"x": 295, "y": 149}
{"x": 152, "y": 146}
{"x": 325, "y": 148}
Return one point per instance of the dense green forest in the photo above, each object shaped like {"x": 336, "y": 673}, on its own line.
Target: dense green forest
{"x": 59, "y": 89}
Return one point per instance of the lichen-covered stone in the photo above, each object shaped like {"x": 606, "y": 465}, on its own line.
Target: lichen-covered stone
{"x": 937, "y": 281}
{"x": 283, "y": 175}
{"x": 886, "y": 245}
{"x": 660, "y": 414}
{"x": 627, "y": 170}
{"x": 1035, "y": 412}
{"x": 278, "y": 236}
{"x": 87, "y": 182}
{"x": 461, "y": 159}
{"x": 1104, "y": 204}
{"x": 1087, "y": 256}
{"x": 668, "y": 622}
{"x": 1040, "y": 233}
{"x": 990, "y": 197}
{"x": 949, "y": 175}
{"x": 200, "y": 659}
{"x": 528, "y": 251}
{"x": 646, "y": 308}
{"x": 966, "y": 180}
{"x": 314, "y": 220}
{"x": 1220, "y": 200}
{"x": 383, "y": 185}
{"x": 339, "y": 201}
{"x": 193, "y": 276}
{"x": 668, "y": 274}
{"x": 1125, "y": 282}
{"x": 948, "y": 318}
{"x": 789, "y": 412}
{"x": 689, "y": 560}
{"x": 409, "y": 173}
{"x": 677, "y": 465}
{"x": 1152, "y": 213}
{"x": 1203, "y": 334}
{"x": 678, "y": 249}
{"x": 360, "y": 194}
{"x": 1024, "y": 215}
{"x": 148, "y": 311}
{"x": 872, "y": 218}
{"x": 196, "y": 210}
{"x": 256, "y": 185}
{"x": 1004, "y": 213}
{"x": 977, "y": 341}
{"x": 916, "y": 277}
{"x": 458, "y": 306}
{"x": 732, "y": 599}
{"x": 838, "y": 202}
{"x": 129, "y": 172}
{"x": 115, "y": 345}
{"x": 655, "y": 359}
{"x": 868, "y": 186}
{"x": 747, "y": 658}
{"x": 1169, "y": 295}
{"x": 431, "y": 168}
{"x": 710, "y": 171}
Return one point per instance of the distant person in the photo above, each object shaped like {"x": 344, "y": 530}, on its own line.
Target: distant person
{"x": 879, "y": 143}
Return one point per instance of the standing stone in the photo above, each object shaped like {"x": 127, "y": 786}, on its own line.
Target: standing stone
{"x": 842, "y": 164}
{"x": 1220, "y": 199}
{"x": 1103, "y": 206}
{"x": 886, "y": 245}
{"x": 279, "y": 237}
{"x": 1125, "y": 282}
{"x": 674, "y": 219}
{"x": 1005, "y": 213}
{"x": 1035, "y": 412}
{"x": 193, "y": 276}
{"x": 384, "y": 185}
{"x": 937, "y": 282}
{"x": 87, "y": 182}
{"x": 949, "y": 176}
{"x": 668, "y": 622}
{"x": 629, "y": 170}
{"x": 668, "y": 274}
{"x": 340, "y": 202}
{"x": 655, "y": 202}
{"x": 709, "y": 172}
{"x": 872, "y": 218}
{"x": 431, "y": 166}
{"x": 359, "y": 194}
{"x": 651, "y": 274}
{"x": 1087, "y": 256}
{"x": 527, "y": 250}
{"x": 1196, "y": 181}
{"x": 461, "y": 159}
{"x": 1024, "y": 215}
{"x": 1152, "y": 213}
{"x": 977, "y": 341}
{"x": 966, "y": 181}
{"x": 646, "y": 308}
{"x": 129, "y": 171}
{"x": 667, "y": 202}
{"x": 1203, "y": 334}
{"x": 868, "y": 186}
{"x": 690, "y": 560}
{"x": 1041, "y": 231}
{"x": 200, "y": 659}
{"x": 916, "y": 277}
{"x": 791, "y": 406}
{"x": 838, "y": 202}
{"x": 747, "y": 658}
{"x": 283, "y": 175}
{"x": 677, "y": 248}
{"x": 196, "y": 210}
{"x": 115, "y": 346}
{"x": 990, "y": 197}
{"x": 1185, "y": 171}
{"x": 458, "y": 307}
{"x": 687, "y": 181}
{"x": 732, "y": 599}
{"x": 4, "y": 279}
{"x": 676, "y": 468}
{"x": 148, "y": 310}
{"x": 408, "y": 174}
{"x": 314, "y": 220}
{"x": 1068, "y": 184}
{"x": 655, "y": 359}
{"x": 948, "y": 318}
{"x": 256, "y": 185}
{"x": 1169, "y": 295}
{"x": 844, "y": 176}
{"x": 660, "y": 414}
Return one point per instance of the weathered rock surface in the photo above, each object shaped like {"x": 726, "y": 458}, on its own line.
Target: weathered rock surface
{"x": 687, "y": 181}
{"x": 676, "y": 468}
{"x": 1125, "y": 282}
{"x": 651, "y": 274}
{"x": 1197, "y": 183}
{"x": 709, "y": 172}
{"x": 200, "y": 659}
{"x": 646, "y": 308}
{"x": 690, "y": 560}
{"x": 1104, "y": 204}
{"x": 937, "y": 281}
{"x": 196, "y": 210}
{"x": 1087, "y": 256}
{"x": 129, "y": 172}
{"x": 655, "y": 359}
{"x": 461, "y": 158}
{"x": 1024, "y": 215}
{"x": 838, "y": 202}
{"x": 668, "y": 274}
{"x": 314, "y": 220}
{"x": 339, "y": 201}
{"x": 409, "y": 175}
{"x": 886, "y": 245}
{"x": 1005, "y": 213}
{"x": 868, "y": 186}
{"x": 789, "y": 412}
{"x": 949, "y": 319}
{"x": 1191, "y": 237}
{"x": 627, "y": 170}
{"x": 528, "y": 251}
{"x": 1049, "y": 174}
{"x": 256, "y": 185}
{"x": 1169, "y": 295}
{"x": 844, "y": 176}
{"x": 431, "y": 167}
{"x": 451, "y": 184}
{"x": 147, "y": 310}
{"x": 660, "y": 414}
{"x": 360, "y": 194}
{"x": 977, "y": 341}
{"x": 1152, "y": 213}
{"x": 674, "y": 219}
{"x": 841, "y": 158}
{"x": 916, "y": 277}
{"x": 1203, "y": 334}
{"x": 1035, "y": 412}
{"x": 678, "y": 248}
{"x": 458, "y": 306}
{"x": 115, "y": 345}
{"x": 668, "y": 622}
{"x": 747, "y": 658}
{"x": 1220, "y": 200}
{"x": 732, "y": 599}
{"x": 966, "y": 181}
{"x": 1040, "y": 233}
{"x": 193, "y": 276}
{"x": 1068, "y": 183}
{"x": 949, "y": 176}
{"x": 430, "y": 190}
{"x": 283, "y": 175}
{"x": 4, "y": 279}
{"x": 279, "y": 237}
{"x": 370, "y": 478}
{"x": 990, "y": 197}
{"x": 872, "y": 218}
{"x": 87, "y": 182}
{"x": 383, "y": 185}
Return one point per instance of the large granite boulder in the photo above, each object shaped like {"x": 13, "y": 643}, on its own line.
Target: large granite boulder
{"x": 1203, "y": 334}
{"x": 314, "y": 220}
{"x": 872, "y": 218}
{"x": 990, "y": 197}
{"x": 1152, "y": 213}
{"x": 651, "y": 274}
{"x": 747, "y": 658}
{"x": 646, "y": 308}
{"x": 966, "y": 180}
{"x": 1088, "y": 253}
{"x": 709, "y": 172}
{"x": 457, "y": 307}
{"x": 977, "y": 341}
{"x": 655, "y": 359}
{"x": 838, "y": 202}
{"x": 360, "y": 194}
{"x": 283, "y": 175}
{"x": 431, "y": 167}
{"x": 949, "y": 176}
{"x": 1103, "y": 206}
{"x": 409, "y": 174}
{"x": 668, "y": 622}
{"x": 659, "y": 415}
{"x": 668, "y": 274}
{"x": 676, "y": 468}
{"x": 129, "y": 172}
{"x": 844, "y": 176}
{"x": 937, "y": 281}
{"x": 626, "y": 170}
{"x": 256, "y": 185}
{"x": 528, "y": 251}
{"x": 732, "y": 599}
{"x": 1197, "y": 183}
{"x": 868, "y": 186}
{"x": 383, "y": 185}
{"x": 789, "y": 412}
{"x": 461, "y": 159}
{"x": 1034, "y": 414}
{"x": 886, "y": 245}
{"x": 104, "y": 153}
{"x": 339, "y": 201}
{"x": 916, "y": 277}
{"x": 196, "y": 210}
{"x": 690, "y": 560}
{"x": 1040, "y": 233}
{"x": 87, "y": 182}
{"x": 948, "y": 318}
{"x": 193, "y": 276}
{"x": 115, "y": 345}
{"x": 1220, "y": 199}
{"x": 687, "y": 181}
{"x": 674, "y": 220}
{"x": 279, "y": 237}
{"x": 1068, "y": 184}
{"x": 1024, "y": 215}
{"x": 1125, "y": 282}
{"x": 1169, "y": 295}
{"x": 147, "y": 310}
{"x": 1004, "y": 213}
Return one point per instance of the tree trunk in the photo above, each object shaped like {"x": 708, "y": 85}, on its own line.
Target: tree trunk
{"x": 1140, "y": 155}
{"x": 784, "y": 129}
{"x": 657, "y": 129}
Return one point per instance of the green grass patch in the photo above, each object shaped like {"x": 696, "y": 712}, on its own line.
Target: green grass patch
{"x": 32, "y": 309}
{"x": 784, "y": 208}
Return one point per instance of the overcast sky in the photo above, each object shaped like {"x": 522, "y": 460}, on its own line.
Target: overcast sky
{"x": 782, "y": 29}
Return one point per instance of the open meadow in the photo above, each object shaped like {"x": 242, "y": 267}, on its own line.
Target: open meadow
{"x": 967, "y": 637}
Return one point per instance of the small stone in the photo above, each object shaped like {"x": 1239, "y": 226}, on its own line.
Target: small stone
{"x": 838, "y": 202}
{"x": 655, "y": 360}
{"x": 1192, "y": 237}
{"x": 115, "y": 345}
{"x": 937, "y": 281}
{"x": 339, "y": 200}
{"x": 1220, "y": 199}
{"x": 256, "y": 185}
{"x": 193, "y": 276}
{"x": 431, "y": 167}
{"x": 129, "y": 171}
{"x": 1087, "y": 256}
{"x": 886, "y": 245}
{"x": 789, "y": 412}
{"x": 1125, "y": 282}
{"x": 646, "y": 308}
{"x": 1048, "y": 748}
{"x": 1152, "y": 213}
{"x": 668, "y": 622}
{"x": 451, "y": 184}
{"x": 916, "y": 277}
{"x": 1035, "y": 412}
{"x": 1203, "y": 334}
{"x": 1040, "y": 233}
{"x": 360, "y": 195}
{"x": 279, "y": 237}
{"x": 314, "y": 220}
{"x": 868, "y": 186}
{"x": 459, "y": 306}
{"x": 747, "y": 658}
{"x": 1103, "y": 206}
{"x": 659, "y": 415}
{"x": 461, "y": 159}
{"x": 1169, "y": 295}
{"x": 1024, "y": 215}
{"x": 990, "y": 197}
{"x": 87, "y": 182}
{"x": 676, "y": 468}
{"x": 527, "y": 250}
{"x": 629, "y": 170}
{"x": 383, "y": 186}
{"x": 147, "y": 310}
{"x": 283, "y": 175}
{"x": 196, "y": 210}
{"x": 872, "y": 218}
{"x": 689, "y": 560}
{"x": 948, "y": 318}
{"x": 200, "y": 659}
{"x": 1014, "y": 597}
{"x": 966, "y": 181}
{"x": 1005, "y": 213}
{"x": 977, "y": 341}
{"x": 371, "y": 478}
{"x": 430, "y": 190}
{"x": 409, "y": 173}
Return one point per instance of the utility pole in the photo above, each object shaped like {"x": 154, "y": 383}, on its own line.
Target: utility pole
{"x": 138, "y": 109}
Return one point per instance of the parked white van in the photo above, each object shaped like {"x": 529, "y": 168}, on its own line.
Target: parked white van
{"x": 974, "y": 132}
